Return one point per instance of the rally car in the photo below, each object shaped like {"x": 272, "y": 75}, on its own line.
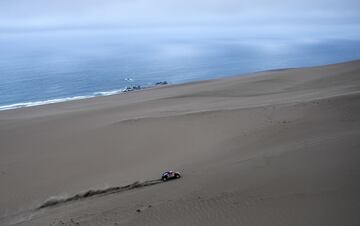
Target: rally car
{"x": 168, "y": 175}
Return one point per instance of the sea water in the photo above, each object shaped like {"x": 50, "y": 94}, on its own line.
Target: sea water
{"x": 42, "y": 67}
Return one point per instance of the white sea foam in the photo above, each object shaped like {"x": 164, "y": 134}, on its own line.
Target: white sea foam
{"x": 59, "y": 100}
{"x": 108, "y": 93}
{"x": 37, "y": 103}
{"x": 129, "y": 79}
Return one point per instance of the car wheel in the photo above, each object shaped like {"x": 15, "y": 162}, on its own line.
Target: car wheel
{"x": 164, "y": 179}
{"x": 177, "y": 175}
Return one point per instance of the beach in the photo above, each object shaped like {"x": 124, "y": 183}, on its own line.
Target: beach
{"x": 277, "y": 147}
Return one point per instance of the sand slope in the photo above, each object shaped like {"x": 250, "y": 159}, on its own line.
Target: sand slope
{"x": 273, "y": 148}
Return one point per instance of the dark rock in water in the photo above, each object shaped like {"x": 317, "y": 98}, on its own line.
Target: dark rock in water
{"x": 138, "y": 210}
{"x": 161, "y": 83}
{"x": 138, "y": 87}
{"x": 132, "y": 88}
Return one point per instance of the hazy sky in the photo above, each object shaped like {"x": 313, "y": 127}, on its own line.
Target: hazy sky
{"x": 39, "y": 14}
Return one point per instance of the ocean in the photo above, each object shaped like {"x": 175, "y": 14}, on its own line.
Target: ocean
{"x": 43, "y": 67}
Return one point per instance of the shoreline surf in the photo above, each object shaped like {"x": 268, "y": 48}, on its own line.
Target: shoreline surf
{"x": 82, "y": 97}
{"x": 137, "y": 87}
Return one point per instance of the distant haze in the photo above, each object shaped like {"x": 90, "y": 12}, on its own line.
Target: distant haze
{"x": 59, "y": 50}
{"x": 69, "y": 14}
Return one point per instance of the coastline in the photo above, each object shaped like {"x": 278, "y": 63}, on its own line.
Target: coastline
{"x": 66, "y": 99}
{"x": 96, "y": 94}
{"x": 274, "y": 146}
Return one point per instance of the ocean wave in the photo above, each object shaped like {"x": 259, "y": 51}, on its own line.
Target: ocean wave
{"x": 95, "y": 94}
{"x": 37, "y": 103}
{"x": 59, "y": 100}
{"x": 108, "y": 93}
{"x": 129, "y": 79}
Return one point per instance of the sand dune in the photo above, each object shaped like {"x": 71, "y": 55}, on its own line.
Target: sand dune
{"x": 272, "y": 148}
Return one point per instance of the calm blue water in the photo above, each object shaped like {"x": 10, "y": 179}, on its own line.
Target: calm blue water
{"x": 44, "y": 67}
